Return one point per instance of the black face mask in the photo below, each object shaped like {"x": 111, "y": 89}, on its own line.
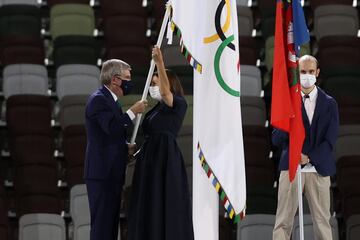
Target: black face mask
{"x": 126, "y": 87}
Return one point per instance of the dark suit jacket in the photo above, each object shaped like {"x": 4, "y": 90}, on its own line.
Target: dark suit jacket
{"x": 320, "y": 137}
{"x": 106, "y": 151}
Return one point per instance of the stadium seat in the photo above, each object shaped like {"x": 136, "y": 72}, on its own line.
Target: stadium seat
{"x": 124, "y": 7}
{"x": 268, "y": 26}
{"x": 132, "y": 48}
{"x": 269, "y": 52}
{"x": 348, "y": 141}
{"x": 242, "y": 2}
{"x": 28, "y": 114}
{"x": 341, "y": 85}
{"x": 345, "y": 48}
{"x": 253, "y": 111}
{"x": 74, "y": 146}
{"x": 308, "y": 228}
{"x": 54, "y": 2}
{"x": 266, "y": 7}
{"x": 29, "y": 126}
{"x": 353, "y": 227}
{"x": 158, "y": 12}
{"x": 34, "y": 186}
{"x": 245, "y": 20}
{"x": 25, "y": 79}
{"x": 348, "y": 177}
{"x": 335, "y": 20}
{"x": 256, "y": 226}
{"x": 261, "y": 199}
{"x": 260, "y": 175}
{"x": 20, "y": 20}
{"x": 315, "y": 3}
{"x": 259, "y": 166}
{"x": 42, "y": 227}
{"x": 22, "y": 49}
{"x": 249, "y": 52}
{"x": 72, "y": 110}
{"x": 349, "y": 110}
{"x": 136, "y": 56}
{"x": 251, "y": 84}
{"x": 25, "y": 150}
{"x": 77, "y": 79}
{"x": 19, "y": 2}
{"x": 75, "y": 50}
{"x": 71, "y": 19}
{"x": 80, "y": 212}
{"x": 5, "y": 231}
{"x": 125, "y": 23}
{"x": 348, "y": 167}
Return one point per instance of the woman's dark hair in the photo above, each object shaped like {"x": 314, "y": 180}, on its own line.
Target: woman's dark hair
{"x": 175, "y": 84}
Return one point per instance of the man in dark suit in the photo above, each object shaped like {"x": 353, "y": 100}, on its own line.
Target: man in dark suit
{"x": 321, "y": 123}
{"x": 106, "y": 152}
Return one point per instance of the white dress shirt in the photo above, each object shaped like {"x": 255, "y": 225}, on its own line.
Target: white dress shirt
{"x": 129, "y": 112}
{"x": 310, "y": 104}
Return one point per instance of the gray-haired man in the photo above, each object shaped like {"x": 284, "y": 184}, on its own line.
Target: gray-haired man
{"x": 106, "y": 152}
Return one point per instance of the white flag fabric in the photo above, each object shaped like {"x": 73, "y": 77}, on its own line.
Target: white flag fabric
{"x": 209, "y": 40}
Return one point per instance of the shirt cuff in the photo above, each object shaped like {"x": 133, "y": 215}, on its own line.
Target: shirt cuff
{"x": 131, "y": 114}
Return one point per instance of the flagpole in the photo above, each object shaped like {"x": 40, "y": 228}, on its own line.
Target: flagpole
{"x": 301, "y": 216}
{"x": 151, "y": 71}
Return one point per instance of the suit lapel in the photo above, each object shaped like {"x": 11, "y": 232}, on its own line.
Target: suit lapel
{"x": 320, "y": 101}
{"x": 115, "y": 108}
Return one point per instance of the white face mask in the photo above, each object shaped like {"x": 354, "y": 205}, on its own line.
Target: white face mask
{"x": 155, "y": 92}
{"x": 307, "y": 80}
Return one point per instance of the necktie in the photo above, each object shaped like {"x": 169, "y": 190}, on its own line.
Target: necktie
{"x": 307, "y": 107}
{"x": 118, "y": 103}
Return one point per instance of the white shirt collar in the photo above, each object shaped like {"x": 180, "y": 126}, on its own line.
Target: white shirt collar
{"x": 112, "y": 94}
{"x": 312, "y": 95}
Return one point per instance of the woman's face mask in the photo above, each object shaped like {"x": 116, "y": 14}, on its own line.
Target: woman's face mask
{"x": 155, "y": 92}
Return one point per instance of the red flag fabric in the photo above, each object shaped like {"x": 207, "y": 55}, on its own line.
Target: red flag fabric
{"x": 286, "y": 92}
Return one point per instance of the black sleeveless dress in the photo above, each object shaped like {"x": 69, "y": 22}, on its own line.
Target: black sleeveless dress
{"x": 160, "y": 207}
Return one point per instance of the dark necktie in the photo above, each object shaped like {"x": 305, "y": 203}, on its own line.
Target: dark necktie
{"x": 118, "y": 103}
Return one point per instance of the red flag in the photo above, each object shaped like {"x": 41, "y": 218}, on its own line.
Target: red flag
{"x": 286, "y": 92}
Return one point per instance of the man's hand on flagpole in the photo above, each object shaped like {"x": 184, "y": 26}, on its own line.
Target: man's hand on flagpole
{"x": 139, "y": 107}
{"x": 131, "y": 149}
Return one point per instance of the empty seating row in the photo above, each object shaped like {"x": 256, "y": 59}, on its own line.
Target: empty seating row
{"x": 260, "y": 226}
{"x": 71, "y": 79}
{"x": 82, "y": 79}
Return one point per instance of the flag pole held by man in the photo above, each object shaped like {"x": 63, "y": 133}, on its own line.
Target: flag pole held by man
{"x": 306, "y": 123}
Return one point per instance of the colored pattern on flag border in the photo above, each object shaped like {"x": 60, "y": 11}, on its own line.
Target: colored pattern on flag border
{"x": 184, "y": 51}
{"x": 222, "y": 195}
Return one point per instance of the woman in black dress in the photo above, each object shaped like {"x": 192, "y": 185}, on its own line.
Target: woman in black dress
{"x": 160, "y": 207}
